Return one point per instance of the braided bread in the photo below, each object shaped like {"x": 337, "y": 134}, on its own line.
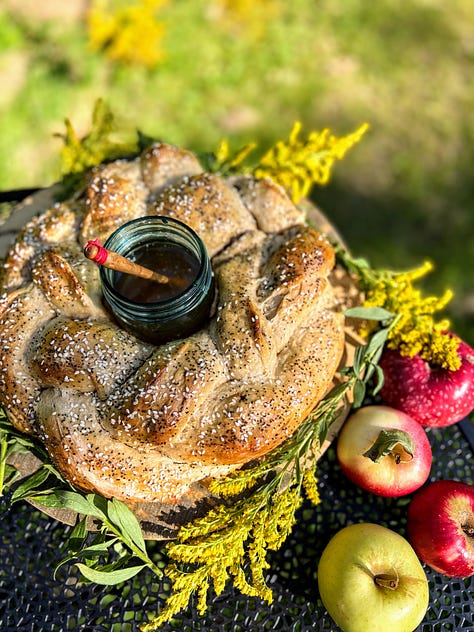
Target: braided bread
{"x": 139, "y": 422}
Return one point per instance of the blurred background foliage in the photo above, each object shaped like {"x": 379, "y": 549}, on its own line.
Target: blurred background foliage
{"x": 192, "y": 72}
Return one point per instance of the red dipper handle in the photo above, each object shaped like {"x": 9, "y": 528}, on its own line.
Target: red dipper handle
{"x": 112, "y": 260}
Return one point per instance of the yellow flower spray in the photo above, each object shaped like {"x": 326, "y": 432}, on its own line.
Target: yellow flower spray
{"x": 127, "y": 32}
{"x": 416, "y": 331}
{"x": 299, "y": 164}
{"x": 296, "y": 164}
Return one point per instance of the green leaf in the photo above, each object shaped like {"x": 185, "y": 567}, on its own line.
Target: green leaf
{"x": 100, "y": 505}
{"x": 79, "y": 532}
{"x": 129, "y": 526}
{"x": 378, "y": 340}
{"x": 16, "y": 447}
{"x": 75, "y": 541}
{"x": 95, "y": 550}
{"x": 78, "y": 535}
{"x": 394, "y": 442}
{"x": 17, "y": 441}
{"x": 25, "y": 489}
{"x": 63, "y": 499}
{"x": 99, "y": 547}
{"x": 369, "y": 372}
{"x": 359, "y": 393}
{"x": 109, "y": 578}
{"x": 10, "y": 474}
{"x": 380, "y": 379}
{"x": 369, "y": 313}
{"x": 358, "y": 359}
{"x": 337, "y": 391}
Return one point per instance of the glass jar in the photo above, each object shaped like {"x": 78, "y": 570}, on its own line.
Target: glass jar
{"x": 152, "y": 311}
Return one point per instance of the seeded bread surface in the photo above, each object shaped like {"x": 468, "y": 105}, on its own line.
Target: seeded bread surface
{"x": 143, "y": 423}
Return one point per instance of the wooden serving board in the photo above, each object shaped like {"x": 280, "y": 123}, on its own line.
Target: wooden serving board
{"x": 161, "y": 521}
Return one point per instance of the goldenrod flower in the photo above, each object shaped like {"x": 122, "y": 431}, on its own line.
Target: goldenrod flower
{"x": 416, "y": 332}
{"x": 225, "y": 162}
{"x": 79, "y": 154}
{"x": 299, "y": 164}
{"x": 130, "y": 33}
{"x": 296, "y": 164}
{"x": 310, "y": 485}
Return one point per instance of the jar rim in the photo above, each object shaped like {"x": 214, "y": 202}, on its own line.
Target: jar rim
{"x": 106, "y": 275}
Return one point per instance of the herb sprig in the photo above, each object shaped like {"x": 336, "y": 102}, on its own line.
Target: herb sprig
{"x": 114, "y": 521}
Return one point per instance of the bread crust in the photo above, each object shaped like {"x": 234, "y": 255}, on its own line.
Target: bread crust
{"x": 127, "y": 419}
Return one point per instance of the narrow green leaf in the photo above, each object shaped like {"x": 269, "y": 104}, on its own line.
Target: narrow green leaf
{"x": 15, "y": 447}
{"x": 25, "y": 489}
{"x": 369, "y": 372}
{"x": 78, "y": 536}
{"x": 100, "y": 505}
{"x": 376, "y": 356}
{"x": 369, "y": 313}
{"x": 109, "y": 578}
{"x": 346, "y": 370}
{"x": 359, "y": 393}
{"x": 129, "y": 526}
{"x": 377, "y": 340}
{"x": 95, "y": 550}
{"x": 74, "y": 501}
{"x": 75, "y": 542}
{"x": 80, "y": 530}
{"x": 337, "y": 391}
{"x": 380, "y": 379}
{"x": 10, "y": 474}
{"x": 358, "y": 358}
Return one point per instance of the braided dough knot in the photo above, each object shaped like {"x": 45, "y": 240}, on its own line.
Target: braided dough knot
{"x": 144, "y": 423}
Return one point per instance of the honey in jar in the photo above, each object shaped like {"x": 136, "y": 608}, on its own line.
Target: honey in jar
{"x": 160, "y": 312}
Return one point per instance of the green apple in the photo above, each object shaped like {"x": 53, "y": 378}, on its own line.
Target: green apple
{"x": 370, "y": 578}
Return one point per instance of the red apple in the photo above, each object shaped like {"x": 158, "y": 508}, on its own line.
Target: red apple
{"x": 384, "y": 451}
{"x": 432, "y": 395}
{"x": 440, "y": 527}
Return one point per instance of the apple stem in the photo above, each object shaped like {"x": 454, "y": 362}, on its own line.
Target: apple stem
{"x": 468, "y": 530}
{"x": 387, "y": 581}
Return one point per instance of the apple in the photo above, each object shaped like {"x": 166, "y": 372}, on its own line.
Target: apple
{"x": 430, "y": 394}
{"x": 440, "y": 527}
{"x": 370, "y": 578}
{"x": 384, "y": 451}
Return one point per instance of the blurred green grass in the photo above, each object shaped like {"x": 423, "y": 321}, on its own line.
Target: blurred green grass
{"x": 404, "y": 194}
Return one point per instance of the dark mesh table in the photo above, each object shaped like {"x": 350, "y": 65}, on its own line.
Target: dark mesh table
{"x": 31, "y": 545}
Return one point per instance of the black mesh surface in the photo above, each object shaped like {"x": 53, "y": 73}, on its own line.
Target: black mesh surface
{"x": 31, "y": 545}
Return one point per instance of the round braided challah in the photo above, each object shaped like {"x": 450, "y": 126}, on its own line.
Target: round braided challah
{"x": 138, "y": 422}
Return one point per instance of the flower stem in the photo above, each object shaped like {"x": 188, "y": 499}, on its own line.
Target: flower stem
{"x": 3, "y": 459}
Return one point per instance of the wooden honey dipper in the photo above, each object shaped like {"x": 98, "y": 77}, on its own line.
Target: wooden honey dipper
{"x": 112, "y": 260}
